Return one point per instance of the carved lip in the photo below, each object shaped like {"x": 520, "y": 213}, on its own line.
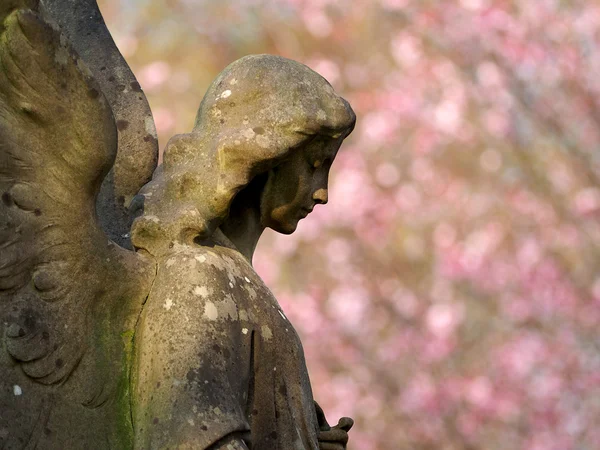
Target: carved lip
{"x": 305, "y": 211}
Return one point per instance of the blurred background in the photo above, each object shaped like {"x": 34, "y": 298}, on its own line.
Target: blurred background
{"x": 448, "y": 296}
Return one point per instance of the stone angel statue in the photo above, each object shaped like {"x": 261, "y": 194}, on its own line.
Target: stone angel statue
{"x": 130, "y": 314}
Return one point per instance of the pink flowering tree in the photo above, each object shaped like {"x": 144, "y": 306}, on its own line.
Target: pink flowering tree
{"x": 448, "y": 296}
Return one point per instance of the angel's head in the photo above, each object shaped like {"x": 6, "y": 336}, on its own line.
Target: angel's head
{"x": 290, "y": 190}
{"x": 264, "y": 117}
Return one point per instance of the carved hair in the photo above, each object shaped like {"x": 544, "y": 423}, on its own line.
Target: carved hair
{"x": 255, "y": 113}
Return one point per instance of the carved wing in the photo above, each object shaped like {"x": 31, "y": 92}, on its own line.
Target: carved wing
{"x": 63, "y": 283}
{"x": 82, "y": 24}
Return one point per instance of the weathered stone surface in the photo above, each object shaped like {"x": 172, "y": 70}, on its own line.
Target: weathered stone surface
{"x": 179, "y": 344}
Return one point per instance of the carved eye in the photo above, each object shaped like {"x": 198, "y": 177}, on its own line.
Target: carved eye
{"x": 317, "y": 164}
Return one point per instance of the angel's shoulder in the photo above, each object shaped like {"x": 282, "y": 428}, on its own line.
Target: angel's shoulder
{"x": 204, "y": 283}
{"x": 219, "y": 266}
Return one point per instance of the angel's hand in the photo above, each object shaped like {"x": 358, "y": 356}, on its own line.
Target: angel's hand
{"x": 332, "y": 438}
{"x": 336, "y": 438}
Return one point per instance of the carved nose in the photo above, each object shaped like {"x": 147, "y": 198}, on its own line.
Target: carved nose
{"x": 320, "y": 196}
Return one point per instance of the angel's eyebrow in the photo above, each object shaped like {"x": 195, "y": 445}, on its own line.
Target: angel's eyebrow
{"x": 326, "y": 150}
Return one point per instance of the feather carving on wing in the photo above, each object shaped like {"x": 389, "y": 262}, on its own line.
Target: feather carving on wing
{"x": 69, "y": 296}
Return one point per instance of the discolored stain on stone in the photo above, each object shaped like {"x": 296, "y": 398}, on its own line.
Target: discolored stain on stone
{"x": 93, "y": 93}
{"x": 122, "y": 125}
{"x": 7, "y": 199}
{"x": 258, "y": 130}
{"x": 135, "y": 86}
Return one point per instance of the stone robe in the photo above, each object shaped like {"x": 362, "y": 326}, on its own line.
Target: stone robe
{"x": 215, "y": 355}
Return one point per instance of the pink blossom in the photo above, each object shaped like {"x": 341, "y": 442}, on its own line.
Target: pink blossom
{"x": 405, "y": 303}
{"x": 479, "y": 392}
{"x": 442, "y": 319}
{"x": 327, "y": 68}
{"x": 468, "y": 424}
{"x": 164, "y": 119}
{"x": 350, "y": 303}
{"x": 529, "y": 253}
{"x": 406, "y": 50}
{"x": 408, "y": 197}
{"x": 489, "y": 75}
{"x": 521, "y": 355}
{"x": 419, "y": 394}
{"x": 395, "y": 4}
{"x": 473, "y": 5}
{"x": 266, "y": 267}
{"x": 317, "y": 22}
{"x": 338, "y": 251}
{"x": 587, "y": 200}
{"x": 444, "y": 235}
{"x": 387, "y": 175}
{"x": 518, "y": 309}
{"x": 378, "y": 127}
{"x": 154, "y": 74}
{"x": 448, "y": 116}
{"x": 497, "y": 122}
{"x": 490, "y": 160}
{"x": 437, "y": 348}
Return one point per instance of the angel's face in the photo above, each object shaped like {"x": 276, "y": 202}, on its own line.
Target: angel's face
{"x": 295, "y": 186}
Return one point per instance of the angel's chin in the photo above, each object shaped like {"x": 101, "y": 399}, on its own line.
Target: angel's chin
{"x": 284, "y": 228}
